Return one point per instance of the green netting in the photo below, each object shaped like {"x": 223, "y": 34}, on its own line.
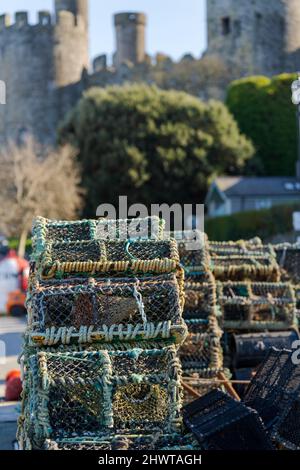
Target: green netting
{"x": 71, "y": 394}
{"x": 45, "y": 230}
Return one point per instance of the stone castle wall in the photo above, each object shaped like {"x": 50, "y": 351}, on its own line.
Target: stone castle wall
{"x": 257, "y": 36}
{"x": 42, "y": 66}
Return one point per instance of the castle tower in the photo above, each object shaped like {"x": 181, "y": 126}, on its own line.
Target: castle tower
{"x": 71, "y": 47}
{"x": 77, "y": 7}
{"x": 130, "y": 37}
{"x": 42, "y": 65}
{"x": 257, "y": 37}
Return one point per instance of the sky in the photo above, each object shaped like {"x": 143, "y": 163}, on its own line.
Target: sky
{"x": 174, "y": 26}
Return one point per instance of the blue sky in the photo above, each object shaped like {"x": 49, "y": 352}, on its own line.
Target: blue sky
{"x": 174, "y": 26}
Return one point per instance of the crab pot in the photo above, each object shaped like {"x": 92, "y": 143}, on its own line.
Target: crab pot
{"x": 202, "y": 352}
{"x": 219, "y": 422}
{"x": 72, "y": 394}
{"x": 288, "y": 258}
{"x": 241, "y": 261}
{"x": 101, "y": 257}
{"x": 257, "y": 306}
{"x": 287, "y": 431}
{"x": 125, "y": 442}
{"x": 200, "y": 299}
{"x": 117, "y": 308}
{"x": 250, "y": 349}
{"x": 274, "y": 390}
{"x": 45, "y": 230}
{"x": 194, "y": 256}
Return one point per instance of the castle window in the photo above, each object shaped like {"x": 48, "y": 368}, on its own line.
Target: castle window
{"x": 226, "y": 26}
{"x": 258, "y": 20}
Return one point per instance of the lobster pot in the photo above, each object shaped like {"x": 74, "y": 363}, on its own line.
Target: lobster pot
{"x": 242, "y": 261}
{"x": 45, "y": 230}
{"x": 221, "y": 423}
{"x": 125, "y": 442}
{"x": 255, "y": 306}
{"x": 194, "y": 255}
{"x": 202, "y": 352}
{"x": 98, "y": 257}
{"x": 200, "y": 300}
{"x": 287, "y": 430}
{"x": 274, "y": 390}
{"x": 94, "y": 309}
{"x": 71, "y": 394}
{"x": 288, "y": 258}
{"x": 250, "y": 349}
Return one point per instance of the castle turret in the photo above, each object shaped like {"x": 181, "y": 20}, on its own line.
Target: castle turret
{"x": 257, "y": 37}
{"x": 130, "y": 37}
{"x": 71, "y": 47}
{"x": 77, "y": 7}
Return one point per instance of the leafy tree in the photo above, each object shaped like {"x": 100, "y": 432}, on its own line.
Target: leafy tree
{"x": 265, "y": 113}
{"x": 153, "y": 146}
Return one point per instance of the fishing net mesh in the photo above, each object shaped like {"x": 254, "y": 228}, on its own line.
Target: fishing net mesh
{"x": 85, "y": 230}
{"x": 257, "y": 305}
{"x": 88, "y": 392}
{"x": 202, "y": 349}
{"x": 274, "y": 387}
{"x": 288, "y": 258}
{"x": 126, "y": 442}
{"x": 241, "y": 260}
{"x": 108, "y": 306}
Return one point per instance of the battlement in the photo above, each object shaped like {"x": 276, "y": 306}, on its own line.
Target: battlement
{"x": 64, "y": 19}
{"x": 123, "y": 19}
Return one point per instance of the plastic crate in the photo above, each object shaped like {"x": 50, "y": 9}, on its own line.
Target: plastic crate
{"x": 287, "y": 430}
{"x": 94, "y": 309}
{"x": 275, "y": 387}
{"x": 256, "y": 306}
{"x": 239, "y": 261}
{"x": 221, "y": 423}
{"x": 72, "y": 394}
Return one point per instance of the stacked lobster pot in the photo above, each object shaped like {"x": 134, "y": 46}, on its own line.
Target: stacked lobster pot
{"x": 201, "y": 355}
{"x": 101, "y": 369}
{"x": 288, "y": 258}
{"x": 257, "y": 310}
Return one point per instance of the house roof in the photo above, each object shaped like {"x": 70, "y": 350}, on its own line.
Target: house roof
{"x": 257, "y": 186}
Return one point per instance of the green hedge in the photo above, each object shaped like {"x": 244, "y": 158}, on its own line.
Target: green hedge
{"x": 244, "y": 225}
{"x": 265, "y": 113}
